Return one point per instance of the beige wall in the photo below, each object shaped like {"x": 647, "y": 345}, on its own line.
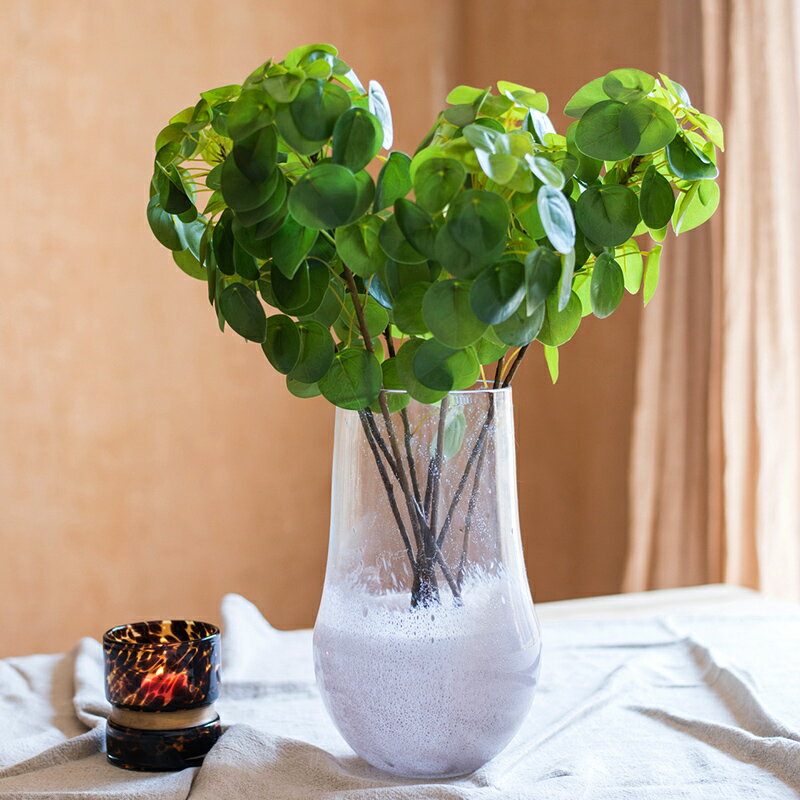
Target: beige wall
{"x": 150, "y": 464}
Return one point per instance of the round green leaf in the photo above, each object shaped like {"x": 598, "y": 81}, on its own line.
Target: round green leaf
{"x": 290, "y": 244}
{"x": 357, "y": 137}
{"x": 282, "y": 343}
{"x": 500, "y": 167}
{"x": 318, "y": 283}
{"x": 353, "y": 380}
{"x": 527, "y": 213}
{"x": 300, "y": 389}
{"x": 189, "y": 264}
{"x": 316, "y": 353}
{"x": 376, "y": 318}
{"x": 394, "y": 180}
{"x": 458, "y": 260}
{"x": 498, "y": 291}
{"x": 608, "y": 286}
{"x": 324, "y": 197}
{"x": 608, "y": 214}
{"x": 520, "y": 328}
{"x": 489, "y": 348}
{"x": 557, "y": 220}
{"x": 396, "y": 245}
{"x": 560, "y": 326}
{"x": 587, "y": 96}
{"x": 656, "y": 199}
{"x": 542, "y": 271}
{"x": 448, "y": 314}
{"x": 358, "y": 246}
{"x": 405, "y": 371}
{"x": 163, "y": 225}
{"x": 478, "y": 221}
{"x": 270, "y": 209}
{"x": 696, "y": 206}
{"x": 241, "y": 193}
{"x": 293, "y": 293}
{"x": 437, "y": 181}
{"x": 598, "y": 133}
{"x": 255, "y": 155}
{"x": 365, "y": 192}
{"x": 628, "y": 84}
{"x": 292, "y": 136}
{"x": 242, "y": 310}
{"x": 316, "y": 108}
{"x": 646, "y": 127}
{"x": 417, "y": 226}
{"x": 689, "y": 163}
{"x": 443, "y": 368}
{"x": 249, "y": 113}
{"x": 407, "y": 309}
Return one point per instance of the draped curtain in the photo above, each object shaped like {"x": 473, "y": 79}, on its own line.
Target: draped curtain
{"x": 715, "y": 461}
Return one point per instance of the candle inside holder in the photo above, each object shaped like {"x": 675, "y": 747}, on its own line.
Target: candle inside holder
{"x": 162, "y": 678}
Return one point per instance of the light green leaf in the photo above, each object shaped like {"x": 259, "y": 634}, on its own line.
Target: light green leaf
{"x": 448, "y": 314}
{"x": 551, "y": 357}
{"x": 608, "y": 286}
{"x": 651, "y": 274}
{"x": 353, "y": 380}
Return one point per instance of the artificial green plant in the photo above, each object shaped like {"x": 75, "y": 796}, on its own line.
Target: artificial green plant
{"x": 418, "y": 273}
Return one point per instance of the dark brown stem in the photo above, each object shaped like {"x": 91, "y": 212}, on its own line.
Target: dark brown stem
{"x": 634, "y": 165}
{"x": 515, "y": 365}
{"x": 498, "y": 372}
{"x": 473, "y": 502}
{"x": 473, "y": 456}
{"x": 406, "y": 429}
{"x": 425, "y": 589}
{"x": 380, "y": 441}
{"x": 387, "y": 485}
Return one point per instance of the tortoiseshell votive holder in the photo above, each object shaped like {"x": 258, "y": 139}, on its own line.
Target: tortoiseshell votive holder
{"x": 162, "y": 679}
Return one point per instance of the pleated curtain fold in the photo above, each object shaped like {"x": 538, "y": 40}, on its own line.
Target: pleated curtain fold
{"x": 715, "y": 462}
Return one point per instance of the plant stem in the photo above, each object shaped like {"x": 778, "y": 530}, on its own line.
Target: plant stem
{"x": 514, "y": 366}
{"x": 425, "y": 588}
{"x": 387, "y": 485}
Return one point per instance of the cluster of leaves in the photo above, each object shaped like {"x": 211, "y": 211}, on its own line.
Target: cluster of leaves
{"x": 514, "y": 233}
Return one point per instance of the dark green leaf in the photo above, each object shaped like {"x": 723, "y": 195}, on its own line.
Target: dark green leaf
{"x": 478, "y": 221}
{"x": 521, "y": 329}
{"x": 498, "y": 291}
{"x": 656, "y": 199}
{"x": 354, "y": 379}
{"x": 628, "y": 84}
{"x": 243, "y": 311}
{"x": 316, "y": 108}
{"x": 396, "y": 245}
{"x": 292, "y": 136}
{"x": 542, "y": 271}
{"x": 319, "y": 282}
{"x": 458, "y": 260}
{"x": 316, "y": 353}
{"x": 608, "y": 286}
{"x": 242, "y": 194}
{"x": 290, "y": 244}
{"x": 244, "y": 263}
{"x": 324, "y": 197}
{"x": 608, "y": 214}
{"x": 394, "y": 181}
{"x": 443, "y": 368}
{"x": 300, "y": 389}
{"x": 417, "y": 226}
{"x": 255, "y": 155}
{"x": 646, "y": 127}
{"x": 560, "y": 326}
{"x": 598, "y": 135}
{"x": 448, "y": 314}
{"x": 365, "y": 192}
{"x": 405, "y": 371}
{"x": 292, "y": 293}
{"x": 437, "y": 181}
{"x": 282, "y": 343}
{"x": 163, "y": 225}
{"x": 358, "y": 246}
{"x": 407, "y": 309}
{"x": 251, "y": 112}
{"x": 689, "y": 163}
{"x": 357, "y": 137}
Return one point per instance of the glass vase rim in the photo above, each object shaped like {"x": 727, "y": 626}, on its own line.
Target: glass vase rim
{"x": 110, "y": 641}
{"x": 480, "y": 391}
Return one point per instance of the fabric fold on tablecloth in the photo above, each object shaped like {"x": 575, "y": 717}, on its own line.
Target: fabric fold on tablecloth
{"x": 629, "y": 710}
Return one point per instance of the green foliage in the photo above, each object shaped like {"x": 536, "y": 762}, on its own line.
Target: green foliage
{"x": 496, "y": 233}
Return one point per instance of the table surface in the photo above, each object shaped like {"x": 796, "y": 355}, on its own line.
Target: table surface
{"x": 684, "y": 693}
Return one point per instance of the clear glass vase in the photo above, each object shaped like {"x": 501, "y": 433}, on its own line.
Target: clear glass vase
{"x": 426, "y": 646}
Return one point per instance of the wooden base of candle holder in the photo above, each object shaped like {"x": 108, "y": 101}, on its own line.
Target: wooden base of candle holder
{"x": 161, "y": 741}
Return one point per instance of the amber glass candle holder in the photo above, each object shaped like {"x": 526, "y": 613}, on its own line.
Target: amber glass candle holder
{"x": 162, "y": 679}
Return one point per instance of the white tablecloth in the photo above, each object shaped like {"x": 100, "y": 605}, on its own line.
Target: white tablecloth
{"x": 684, "y": 694}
